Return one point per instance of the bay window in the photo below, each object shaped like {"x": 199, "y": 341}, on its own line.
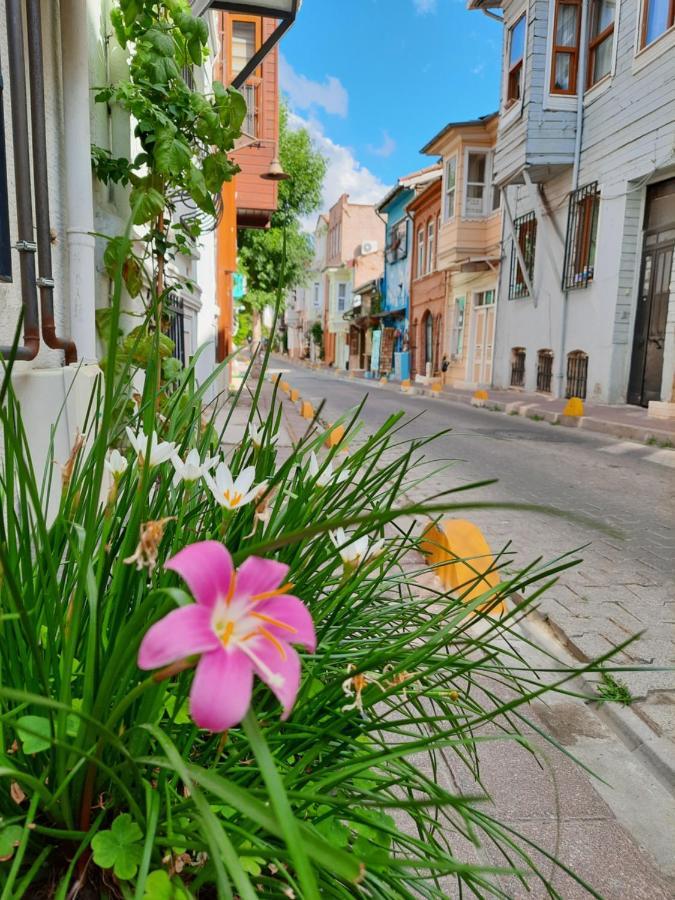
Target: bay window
{"x": 657, "y": 17}
{"x": 566, "y": 35}
{"x": 514, "y": 87}
{"x": 450, "y": 184}
{"x": 600, "y": 39}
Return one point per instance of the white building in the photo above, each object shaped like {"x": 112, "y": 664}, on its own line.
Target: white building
{"x": 586, "y": 160}
{"x": 51, "y": 207}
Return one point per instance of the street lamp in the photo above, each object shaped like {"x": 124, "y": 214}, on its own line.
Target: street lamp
{"x": 283, "y": 10}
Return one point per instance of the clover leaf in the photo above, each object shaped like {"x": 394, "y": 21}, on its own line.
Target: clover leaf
{"x": 10, "y": 838}
{"x": 119, "y": 848}
{"x": 158, "y": 886}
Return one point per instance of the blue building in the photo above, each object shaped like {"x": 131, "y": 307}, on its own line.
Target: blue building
{"x": 393, "y": 343}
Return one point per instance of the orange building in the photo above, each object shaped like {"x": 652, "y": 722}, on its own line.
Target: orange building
{"x": 428, "y": 284}
{"x": 250, "y": 199}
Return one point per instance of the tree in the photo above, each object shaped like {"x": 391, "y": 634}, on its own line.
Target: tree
{"x": 261, "y": 253}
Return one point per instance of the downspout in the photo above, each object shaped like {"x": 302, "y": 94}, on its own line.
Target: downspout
{"x": 79, "y": 189}
{"x": 39, "y": 140}
{"x": 24, "y": 206}
{"x": 581, "y": 86}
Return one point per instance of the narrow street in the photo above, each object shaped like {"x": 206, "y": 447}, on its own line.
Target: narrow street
{"x": 625, "y": 582}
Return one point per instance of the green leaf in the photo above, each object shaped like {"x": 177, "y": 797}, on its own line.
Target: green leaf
{"x": 10, "y": 838}
{"x": 195, "y": 49}
{"x": 34, "y": 733}
{"x": 119, "y": 848}
{"x": 172, "y": 154}
{"x": 158, "y": 886}
{"x": 162, "y": 42}
{"x": 238, "y": 109}
{"x": 217, "y": 168}
{"x": 146, "y": 201}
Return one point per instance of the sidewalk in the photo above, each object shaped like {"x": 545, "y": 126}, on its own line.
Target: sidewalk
{"x": 620, "y": 421}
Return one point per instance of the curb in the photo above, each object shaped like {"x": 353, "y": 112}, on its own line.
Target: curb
{"x": 618, "y": 430}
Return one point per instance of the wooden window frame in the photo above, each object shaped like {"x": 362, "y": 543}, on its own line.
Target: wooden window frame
{"x": 566, "y": 51}
{"x": 486, "y": 184}
{"x": 643, "y": 23}
{"x": 255, "y": 80}
{"x": 449, "y": 215}
{"x": 515, "y": 71}
{"x": 421, "y": 251}
{"x": 595, "y": 42}
{"x": 431, "y": 247}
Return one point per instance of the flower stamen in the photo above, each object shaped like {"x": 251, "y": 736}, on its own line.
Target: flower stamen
{"x": 263, "y": 632}
{"x": 270, "y": 621}
{"x": 268, "y": 595}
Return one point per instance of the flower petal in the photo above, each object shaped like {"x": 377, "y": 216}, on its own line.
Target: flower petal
{"x": 244, "y": 480}
{"x": 183, "y": 632}
{"x": 207, "y": 568}
{"x": 292, "y": 612}
{"x": 221, "y": 690}
{"x": 285, "y": 687}
{"x": 258, "y": 576}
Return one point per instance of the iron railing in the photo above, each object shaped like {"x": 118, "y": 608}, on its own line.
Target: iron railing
{"x": 577, "y": 374}
{"x": 525, "y": 228}
{"x": 544, "y": 371}
{"x": 518, "y": 367}
{"x": 580, "y": 244}
{"x": 175, "y": 311}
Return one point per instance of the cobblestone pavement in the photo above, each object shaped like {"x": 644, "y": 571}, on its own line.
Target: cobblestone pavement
{"x": 625, "y": 581}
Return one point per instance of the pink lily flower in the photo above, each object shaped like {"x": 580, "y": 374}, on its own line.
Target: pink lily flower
{"x": 243, "y": 622}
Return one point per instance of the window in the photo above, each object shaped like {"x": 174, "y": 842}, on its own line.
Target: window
{"x": 657, "y": 17}
{"x": 342, "y": 296}
{"x": 5, "y": 239}
{"x": 420, "y": 253}
{"x": 582, "y": 231}
{"x": 566, "y": 34}
{"x": 484, "y": 298}
{"x": 600, "y": 39}
{"x": 450, "y": 183}
{"x": 244, "y": 43}
{"x": 526, "y": 236}
{"x": 496, "y": 198}
{"x": 317, "y": 296}
{"x": 577, "y": 374}
{"x": 476, "y": 184}
{"x": 518, "y": 367}
{"x": 544, "y": 370}
{"x": 398, "y": 242}
{"x": 457, "y": 345}
{"x": 250, "y": 92}
{"x": 431, "y": 247}
{"x": 514, "y": 87}
{"x": 176, "y": 313}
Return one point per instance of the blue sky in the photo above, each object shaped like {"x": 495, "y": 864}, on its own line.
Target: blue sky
{"x": 374, "y": 80}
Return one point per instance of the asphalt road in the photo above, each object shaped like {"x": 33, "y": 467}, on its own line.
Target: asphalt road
{"x": 625, "y": 583}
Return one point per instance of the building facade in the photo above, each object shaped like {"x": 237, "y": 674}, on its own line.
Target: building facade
{"x": 586, "y": 159}
{"x": 468, "y": 248}
{"x": 354, "y": 256}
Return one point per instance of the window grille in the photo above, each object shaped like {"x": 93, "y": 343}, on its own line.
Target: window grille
{"x": 577, "y": 374}
{"x": 518, "y": 367}
{"x": 582, "y": 229}
{"x": 250, "y": 92}
{"x": 176, "y": 313}
{"x": 544, "y": 371}
{"x": 525, "y": 228}
{"x": 5, "y": 240}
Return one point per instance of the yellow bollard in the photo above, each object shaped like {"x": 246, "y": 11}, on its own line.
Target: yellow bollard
{"x": 384, "y": 381}
{"x": 335, "y": 437}
{"x": 436, "y": 387}
{"x": 405, "y": 384}
{"x": 574, "y": 407}
{"x": 307, "y": 410}
{"x": 294, "y": 395}
{"x": 481, "y": 395}
{"x": 284, "y": 386}
{"x": 464, "y": 560}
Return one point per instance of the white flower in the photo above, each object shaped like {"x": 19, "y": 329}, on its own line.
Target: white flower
{"x": 160, "y": 451}
{"x": 353, "y": 553}
{"x": 327, "y": 475}
{"x": 116, "y": 464}
{"x": 233, "y": 493}
{"x": 192, "y": 469}
{"x": 256, "y": 436}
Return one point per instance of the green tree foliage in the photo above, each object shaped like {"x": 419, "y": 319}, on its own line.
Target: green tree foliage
{"x": 261, "y": 253}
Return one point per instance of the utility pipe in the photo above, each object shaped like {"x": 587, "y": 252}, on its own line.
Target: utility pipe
{"x": 39, "y": 141}
{"x": 24, "y": 206}
{"x": 79, "y": 190}
{"x": 581, "y": 86}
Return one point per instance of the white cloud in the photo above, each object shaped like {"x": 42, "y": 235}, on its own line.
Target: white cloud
{"x": 386, "y": 148}
{"x": 423, "y": 7}
{"x": 345, "y": 174}
{"x": 304, "y": 93}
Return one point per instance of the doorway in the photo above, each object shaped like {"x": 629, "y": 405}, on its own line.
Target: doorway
{"x": 484, "y": 334}
{"x": 654, "y": 293}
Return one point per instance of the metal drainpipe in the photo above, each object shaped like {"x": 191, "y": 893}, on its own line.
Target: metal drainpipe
{"x": 581, "y": 86}
{"x": 24, "y": 207}
{"x": 39, "y": 140}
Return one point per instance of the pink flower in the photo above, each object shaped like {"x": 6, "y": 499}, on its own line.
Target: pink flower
{"x": 243, "y": 622}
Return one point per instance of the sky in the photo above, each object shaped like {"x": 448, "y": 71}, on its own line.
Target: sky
{"x": 375, "y": 80}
